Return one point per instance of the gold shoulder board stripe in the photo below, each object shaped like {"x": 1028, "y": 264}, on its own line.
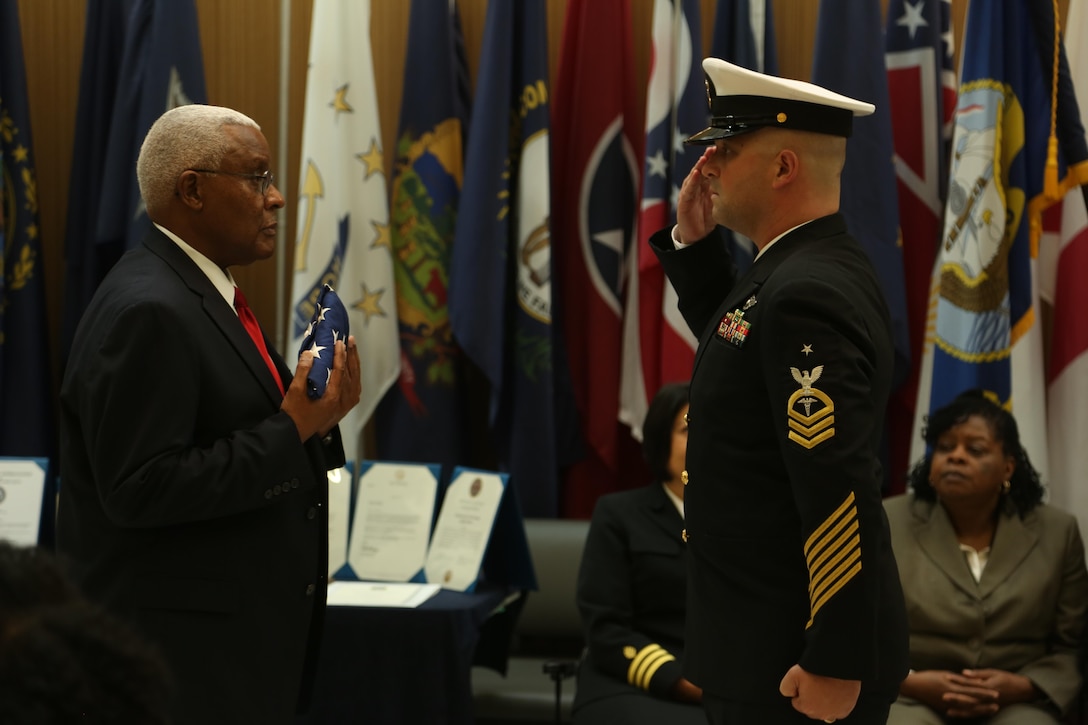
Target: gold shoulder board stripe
{"x": 833, "y": 553}
{"x": 646, "y": 664}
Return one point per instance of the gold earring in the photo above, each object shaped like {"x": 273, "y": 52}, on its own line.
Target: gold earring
{"x": 1006, "y": 486}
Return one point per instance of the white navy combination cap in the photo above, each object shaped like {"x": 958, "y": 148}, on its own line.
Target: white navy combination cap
{"x": 743, "y": 100}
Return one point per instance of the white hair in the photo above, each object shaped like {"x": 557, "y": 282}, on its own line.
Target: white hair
{"x": 185, "y": 137}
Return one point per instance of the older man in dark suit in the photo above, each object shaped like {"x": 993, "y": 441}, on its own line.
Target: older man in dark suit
{"x": 194, "y": 464}
{"x": 794, "y": 606}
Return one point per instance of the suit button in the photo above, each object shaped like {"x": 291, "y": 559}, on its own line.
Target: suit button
{"x": 268, "y": 493}
{"x": 687, "y": 418}
{"x": 310, "y": 589}
{"x": 294, "y": 483}
{"x": 277, "y": 489}
{"x": 684, "y": 477}
{"x": 311, "y": 513}
{"x": 684, "y": 535}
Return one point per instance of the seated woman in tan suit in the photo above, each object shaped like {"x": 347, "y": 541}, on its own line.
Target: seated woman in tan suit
{"x": 994, "y": 579}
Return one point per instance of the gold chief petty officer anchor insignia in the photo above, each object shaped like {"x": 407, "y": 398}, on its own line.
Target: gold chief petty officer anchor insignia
{"x": 817, "y": 423}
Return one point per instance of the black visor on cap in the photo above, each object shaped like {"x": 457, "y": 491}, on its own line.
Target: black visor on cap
{"x": 734, "y": 115}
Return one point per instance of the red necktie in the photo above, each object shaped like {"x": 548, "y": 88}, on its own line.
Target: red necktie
{"x": 249, "y": 321}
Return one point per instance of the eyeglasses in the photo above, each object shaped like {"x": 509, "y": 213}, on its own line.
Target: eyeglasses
{"x": 266, "y": 179}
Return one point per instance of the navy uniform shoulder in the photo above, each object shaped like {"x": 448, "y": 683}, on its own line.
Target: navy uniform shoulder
{"x": 619, "y": 500}
{"x": 827, "y": 257}
{"x": 626, "y": 501}
{"x": 832, "y": 274}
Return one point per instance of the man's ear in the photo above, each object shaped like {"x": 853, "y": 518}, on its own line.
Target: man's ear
{"x": 787, "y": 166}
{"x": 190, "y": 189}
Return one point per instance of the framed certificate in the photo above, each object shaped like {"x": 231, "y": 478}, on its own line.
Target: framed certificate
{"x": 394, "y": 511}
{"x": 341, "y": 495}
{"x": 22, "y": 499}
{"x": 464, "y": 527}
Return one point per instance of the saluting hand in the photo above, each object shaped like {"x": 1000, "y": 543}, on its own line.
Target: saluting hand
{"x": 695, "y": 205}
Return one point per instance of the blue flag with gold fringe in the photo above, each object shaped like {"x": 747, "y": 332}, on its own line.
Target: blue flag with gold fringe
{"x": 26, "y": 410}
{"x": 1013, "y": 155}
{"x": 140, "y": 59}
{"x": 423, "y": 416}
{"x": 501, "y": 275}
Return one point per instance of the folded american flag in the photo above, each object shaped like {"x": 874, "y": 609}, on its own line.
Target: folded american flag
{"x": 329, "y": 324}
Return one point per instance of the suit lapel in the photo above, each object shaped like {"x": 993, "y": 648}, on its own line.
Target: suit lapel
{"x": 1013, "y": 541}
{"x": 937, "y": 539}
{"x": 218, "y": 310}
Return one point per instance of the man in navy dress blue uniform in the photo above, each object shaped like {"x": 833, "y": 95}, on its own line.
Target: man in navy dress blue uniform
{"x": 795, "y": 611}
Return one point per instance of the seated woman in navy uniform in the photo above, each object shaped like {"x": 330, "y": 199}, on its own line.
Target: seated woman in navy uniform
{"x": 994, "y": 579}
{"x": 631, "y": 588}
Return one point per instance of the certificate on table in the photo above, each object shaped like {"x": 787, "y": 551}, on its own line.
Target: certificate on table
{"x": 340, "y": 480}
{"x": 394, "y": 510}
{"x": 464, "y": 528}
{"x": 379, "y": 594}
{"x": 22, "y": 494}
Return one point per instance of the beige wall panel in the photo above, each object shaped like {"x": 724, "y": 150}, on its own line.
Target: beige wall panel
{"x": 52, "y": 51}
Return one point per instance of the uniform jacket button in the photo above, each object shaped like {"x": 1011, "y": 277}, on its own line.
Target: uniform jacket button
{"x": 684, "y": 535}
{"x": 268, "y": 493}
{"x": 310, "y": 589}
{"x": 294, "y": 483}
{"x": 277, "y": 489}
{"x": 311, "y": 513}
{"x": 684, "y": 477}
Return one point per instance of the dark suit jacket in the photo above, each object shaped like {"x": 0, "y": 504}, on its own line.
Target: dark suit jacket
{"x": 1025, "y": 615}
{"x": 188, "y": 504}
{"x": 788, "y": 392}
{"x": 631, "y": 595}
